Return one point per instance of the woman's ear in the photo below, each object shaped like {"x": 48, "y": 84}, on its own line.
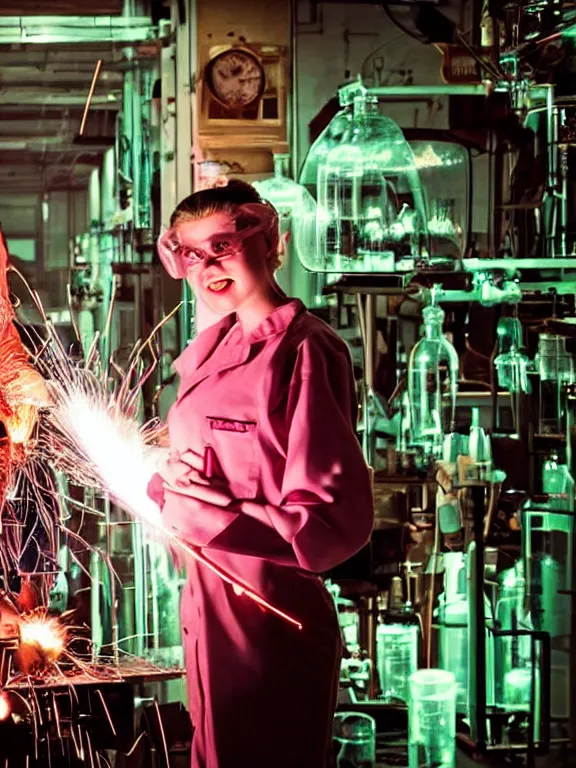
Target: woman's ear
{"x": 280, "y": 256}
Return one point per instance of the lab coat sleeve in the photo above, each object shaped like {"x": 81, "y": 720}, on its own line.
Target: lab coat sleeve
{"x": 326, "y": 512}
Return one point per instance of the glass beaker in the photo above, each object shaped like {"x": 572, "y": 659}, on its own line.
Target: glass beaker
{"x": 355, "y": 735}
{"x": 432, "y": 719}
{"x": 397, "y": 655}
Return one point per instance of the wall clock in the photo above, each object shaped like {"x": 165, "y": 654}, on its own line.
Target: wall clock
{"x": 235, "y": 78}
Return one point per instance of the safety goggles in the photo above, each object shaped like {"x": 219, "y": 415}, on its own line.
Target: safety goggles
{"x": 180, "y": 258}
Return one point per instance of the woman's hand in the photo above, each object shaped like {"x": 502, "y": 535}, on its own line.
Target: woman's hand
{"x": 184, "y": 474}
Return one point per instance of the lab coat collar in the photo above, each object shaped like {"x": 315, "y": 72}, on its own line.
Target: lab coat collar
{"x": 199, "y": 350}
{"x": 198, "y": 355}
{"x": 277, "y": 321}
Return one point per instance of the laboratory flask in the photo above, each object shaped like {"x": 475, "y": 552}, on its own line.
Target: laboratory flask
{"x": 432, "y": 384}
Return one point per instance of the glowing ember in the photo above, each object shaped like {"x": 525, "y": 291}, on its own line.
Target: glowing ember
{"x": 4, "y": 706}
{"x": 44, "y": 635}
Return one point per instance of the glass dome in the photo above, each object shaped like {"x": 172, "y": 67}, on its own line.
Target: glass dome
{"x": 371, "y": 210}
{"x": 330, "y": 137}
{"x": 297, "y": 218}
{"x": 444, "y": 169}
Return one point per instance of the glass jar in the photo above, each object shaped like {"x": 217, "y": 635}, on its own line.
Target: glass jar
{"x": 371, "y": 208}
{"x": 397, "y": 659}
{"x": 432, "y": 719}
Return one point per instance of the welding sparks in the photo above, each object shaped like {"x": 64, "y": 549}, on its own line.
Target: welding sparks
{"x": 45, "y": 633}
{"x": 42, "y": 642}
{"x": 115, "y": 448}
{"x": 93, "y": 437}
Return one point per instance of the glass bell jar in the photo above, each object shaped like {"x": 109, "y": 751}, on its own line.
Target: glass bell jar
{"x": 330, "y": 137}
{"x": 371, "y": 208}
{"x": 444, "y": 170}
{"x": 297, "y": 219}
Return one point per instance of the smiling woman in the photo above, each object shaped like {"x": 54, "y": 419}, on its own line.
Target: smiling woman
{"x": 228, "y": 251}
{"x": 267, "y": 474}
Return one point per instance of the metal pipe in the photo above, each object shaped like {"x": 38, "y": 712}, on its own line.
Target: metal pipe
{"x": 184, "y": 91}
{"x": 136, "y": 145}
{"x": 477, "y": 621}
{"x": 113, "y": 594}
{"x": 411, "y": 91}
{"x": 167, "y": 135}
{"x": 563, "y": 202}
{"x": 90, "y": 95}
{"x": 552, "y": 140}
{"x": 294, "y": 126}
{"x": 545, "y": 687}
{"x": 369, "y": 322}
{"x": 140, "y": 596}
{"x": 368, "y": 437}
{"x": 76, "y": 29}
{"x": 186, "y": 57}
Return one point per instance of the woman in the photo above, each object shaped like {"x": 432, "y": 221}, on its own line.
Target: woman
{"x": 267, "y": 475}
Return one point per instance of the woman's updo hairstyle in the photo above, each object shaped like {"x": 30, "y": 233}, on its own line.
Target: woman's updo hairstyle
{"x": 221, "y": 199}
{"x": 227, "y": 199}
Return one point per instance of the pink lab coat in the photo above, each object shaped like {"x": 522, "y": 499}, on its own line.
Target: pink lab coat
{"x": 276, "y": 411}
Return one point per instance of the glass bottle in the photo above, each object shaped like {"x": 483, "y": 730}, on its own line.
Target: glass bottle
{"x": 432, "y": 384}
{"x": 511, "y": 363}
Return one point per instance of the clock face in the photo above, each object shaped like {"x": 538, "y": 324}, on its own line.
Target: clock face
{"x": 236, "y": 78}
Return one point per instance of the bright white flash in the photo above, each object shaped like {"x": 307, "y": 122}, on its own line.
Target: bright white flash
{"x": 115, "y": 446}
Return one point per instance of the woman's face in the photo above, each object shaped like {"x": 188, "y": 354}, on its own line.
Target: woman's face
{"x": 237, "y": 279}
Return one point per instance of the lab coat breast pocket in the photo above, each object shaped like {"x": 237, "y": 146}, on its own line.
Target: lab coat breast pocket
{"x": 235, "y": 448}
